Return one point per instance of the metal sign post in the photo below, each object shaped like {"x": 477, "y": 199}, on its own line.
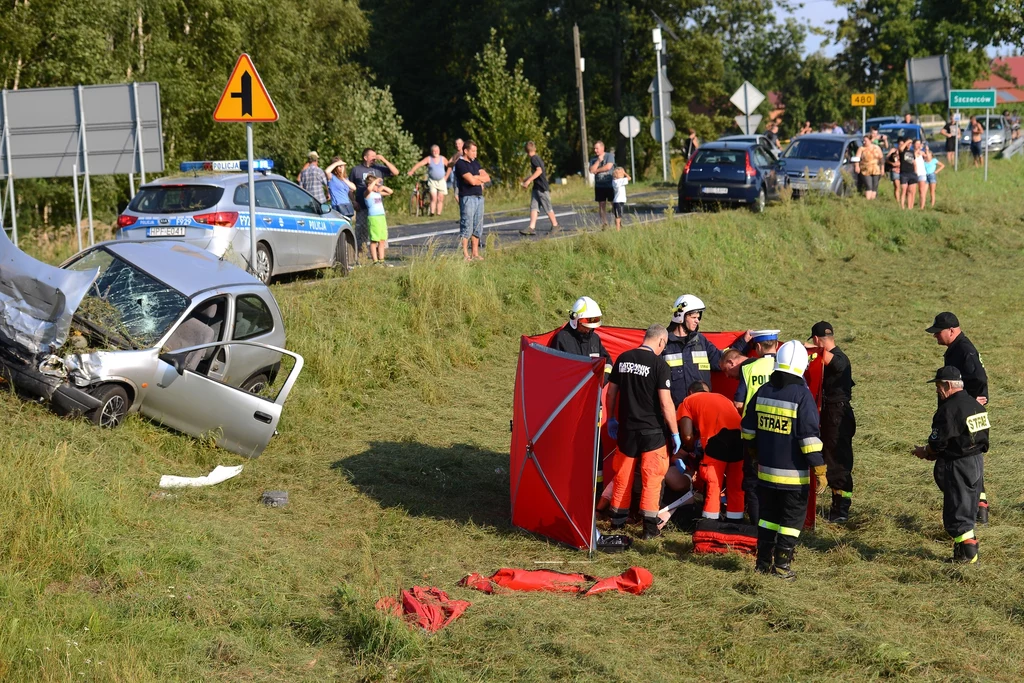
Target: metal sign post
{"x": 988, "y": 115}
{"x": 245, "y": 99}
{"x": 78, "y": 205}
{"x": 629, "y": 127}
{"x": 656, "y": 34}
{"x": 252, "y": 199}
{"x": 10, "y": 176}
{"x": 85, "y": 163}
{"x": 956, "y": 145}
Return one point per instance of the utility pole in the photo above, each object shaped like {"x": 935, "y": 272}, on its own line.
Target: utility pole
{"x": 579, "y": 87}
{"x": 656, "y": 35}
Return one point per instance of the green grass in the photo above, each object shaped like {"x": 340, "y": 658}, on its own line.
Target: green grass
{"x": 393, "y": 449}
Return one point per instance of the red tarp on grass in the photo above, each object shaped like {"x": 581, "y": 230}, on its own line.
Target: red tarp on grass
{"x": 558, "y": 428}
{"x": 634, "y": 580}
{"x": 429, "y": 608}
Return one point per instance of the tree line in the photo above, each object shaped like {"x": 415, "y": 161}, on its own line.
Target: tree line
{"x": 400, "y": 75}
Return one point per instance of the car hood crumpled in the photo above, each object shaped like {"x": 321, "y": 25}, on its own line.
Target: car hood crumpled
{"x": 37, "y": 300}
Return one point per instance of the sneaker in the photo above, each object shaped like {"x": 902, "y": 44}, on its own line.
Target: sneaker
{"x": 529, "y": 232}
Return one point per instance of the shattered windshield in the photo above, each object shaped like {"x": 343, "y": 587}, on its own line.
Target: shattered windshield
{"x": 125, "y": 302}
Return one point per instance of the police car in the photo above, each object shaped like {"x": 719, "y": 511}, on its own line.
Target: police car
{"x": 210, "y": 209}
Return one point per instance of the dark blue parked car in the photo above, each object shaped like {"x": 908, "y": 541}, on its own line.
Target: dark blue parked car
{"x": 730, "y": 173}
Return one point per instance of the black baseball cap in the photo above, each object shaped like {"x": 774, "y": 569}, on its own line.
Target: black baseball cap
{"x": 946, "y": 374}
{"x": 821, "y": 329}
{"x": 943, "y": 321}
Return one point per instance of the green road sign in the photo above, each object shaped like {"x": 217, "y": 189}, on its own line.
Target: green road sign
{"x": 972, "y": 99}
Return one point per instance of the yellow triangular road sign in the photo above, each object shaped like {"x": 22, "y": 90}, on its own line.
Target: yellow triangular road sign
{"x": 245, "y": 98}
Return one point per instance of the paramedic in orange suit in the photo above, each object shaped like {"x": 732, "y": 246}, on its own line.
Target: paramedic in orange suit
{"x": 714, "y": 419}
{"x": 639, "y": 394}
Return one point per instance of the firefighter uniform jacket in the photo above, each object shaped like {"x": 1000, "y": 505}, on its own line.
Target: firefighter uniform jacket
{"x": 959, "y": 428}
{"x": 575, "y": 342}
{"x": 782, "y": 424}
{"x": 690, "y": 359}
{"x": 962, "y": 355}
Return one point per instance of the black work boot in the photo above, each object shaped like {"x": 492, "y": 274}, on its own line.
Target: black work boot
{"x": 651, "y": 529}
{"x": 982, "y": 516}
{"x": 840, "y": 512}
{"x": 966, "y": 552}
{"x": 783, "y": 558}
{"x": 765, "y": 551}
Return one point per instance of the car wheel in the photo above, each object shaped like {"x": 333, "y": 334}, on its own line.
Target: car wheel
{"x": 264, "y": 263}
{"x": 685, "y": 207}
{"x": 341, "y": 265}
{"x": 256, "y": 384}
{"x": 113, "y": 406}
{"x": 759, "y": 203}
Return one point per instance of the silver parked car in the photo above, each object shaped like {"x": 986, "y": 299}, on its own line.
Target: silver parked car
{"x": 818, "y": 162}
{"x": 294, "y": 232}
{"x": 159, "y": 327}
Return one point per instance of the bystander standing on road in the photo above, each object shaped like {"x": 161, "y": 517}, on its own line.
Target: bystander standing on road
{"x": 619, "y": 181}
{"x": 932, "y": 167}
{"x": 471, "y": 180}
{"x": 691, "y": 145}
{"x": 601, "y": 165}
{"x": 976, "y": 132}
{"x": 908, "y": 174}
{"x": 771, "y": 133}
{"x": 437, "y": 178}
{"x": 452, "y": 180}
{"x": 806, "y": 128}
{"x": 339, "y": 186}
{"x": 540, "y": 196}
{"x": 919, "y": 170}
{"x": 377, "y": 222}
{"x": 869, "y": 167}
{"x": 951, "y": 131}
{"x": 373, "y": 164}
{"x": 313, "y": 179}
{"x": 838, "y": 130}
{"x": 892, "y": 167}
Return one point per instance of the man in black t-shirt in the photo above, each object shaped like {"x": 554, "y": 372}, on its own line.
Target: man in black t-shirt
{"x": 951, "y": 131}
{"x": 639, "y": 395}
{"x": 471, "y": 179}
{"x": 540, "y": 198}
{"x": 373, "y": 164}
{"x": 838, "y": 424}
{"x": 908, "y": 176}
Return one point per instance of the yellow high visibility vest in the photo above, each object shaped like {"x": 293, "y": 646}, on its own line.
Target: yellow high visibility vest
{"x": 753, "y": 375}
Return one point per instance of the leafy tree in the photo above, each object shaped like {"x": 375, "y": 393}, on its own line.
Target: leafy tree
{"x": 504, "y": 112}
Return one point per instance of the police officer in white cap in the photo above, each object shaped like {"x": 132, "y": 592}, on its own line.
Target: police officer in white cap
{"x": 780, "y": 429}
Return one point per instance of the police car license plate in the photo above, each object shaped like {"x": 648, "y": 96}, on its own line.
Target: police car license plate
{"x": 170, "y": 231}
{"x": 716, "y": 190}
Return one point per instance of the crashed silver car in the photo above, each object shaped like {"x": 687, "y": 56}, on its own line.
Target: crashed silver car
{"x": 161, "y": 327}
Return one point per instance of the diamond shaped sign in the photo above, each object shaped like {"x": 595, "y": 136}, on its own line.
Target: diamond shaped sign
{"x": 747, "y": 98}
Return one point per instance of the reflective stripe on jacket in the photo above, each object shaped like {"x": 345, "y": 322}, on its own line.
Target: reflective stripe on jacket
{"x": 783, "y": 426}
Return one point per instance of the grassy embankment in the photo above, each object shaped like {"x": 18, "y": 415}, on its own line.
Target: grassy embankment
{"x": 394, "y": 452}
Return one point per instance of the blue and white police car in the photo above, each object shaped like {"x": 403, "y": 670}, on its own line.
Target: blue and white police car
{"x": 210, "y": 208}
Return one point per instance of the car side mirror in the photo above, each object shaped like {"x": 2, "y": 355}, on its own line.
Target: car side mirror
{"x": 325, "y": 209}
{"x": 175, "y": 360}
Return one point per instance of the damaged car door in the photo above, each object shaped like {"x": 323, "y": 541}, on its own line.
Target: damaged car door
{"x": 184, "y": 399}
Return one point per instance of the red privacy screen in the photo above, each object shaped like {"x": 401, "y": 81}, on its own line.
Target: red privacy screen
{"x": 557, "y": 431}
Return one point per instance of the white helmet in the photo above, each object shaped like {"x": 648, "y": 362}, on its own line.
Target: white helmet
{"x": 687, "y": 303}
{"x": 587, "y": 310}
{"x": 792, "y": 358}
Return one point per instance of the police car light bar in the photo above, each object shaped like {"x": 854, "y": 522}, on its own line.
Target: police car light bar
{"x": 233, "y": 165}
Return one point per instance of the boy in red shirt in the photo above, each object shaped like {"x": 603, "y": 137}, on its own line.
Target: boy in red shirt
{"x": 714, "y": 420}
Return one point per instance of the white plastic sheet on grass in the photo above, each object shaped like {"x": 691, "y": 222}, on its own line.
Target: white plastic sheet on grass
{"x": 218, "y": 475}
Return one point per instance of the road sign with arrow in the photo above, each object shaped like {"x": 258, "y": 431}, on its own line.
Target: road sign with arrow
{"x": 245, "y": 99}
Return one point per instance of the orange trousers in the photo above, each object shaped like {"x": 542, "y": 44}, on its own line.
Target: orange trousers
{"x": 714, "y": 473}
{"x": 653, "y": 466}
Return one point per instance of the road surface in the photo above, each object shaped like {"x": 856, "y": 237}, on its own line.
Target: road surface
{"x": 409, "y": 240}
